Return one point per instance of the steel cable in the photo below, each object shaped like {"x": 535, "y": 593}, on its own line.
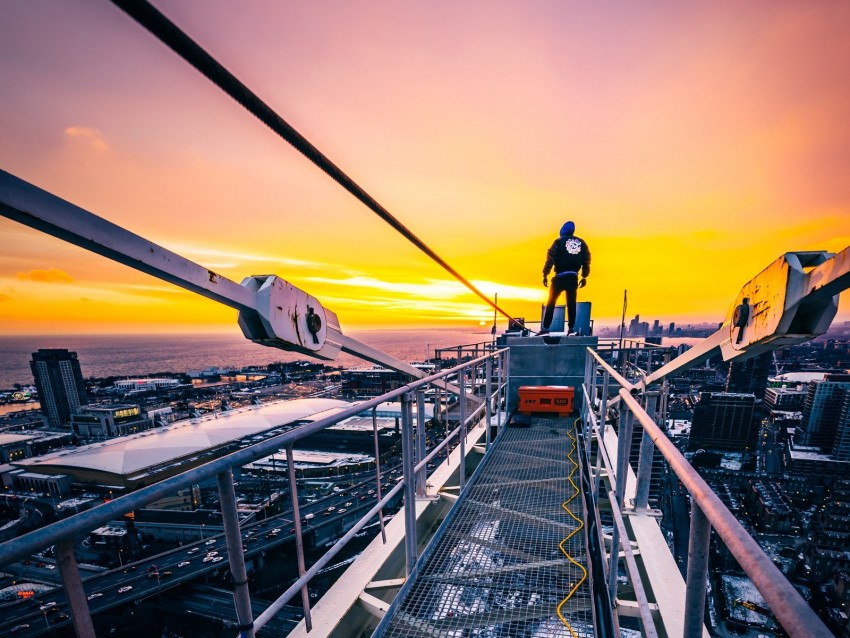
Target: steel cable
{"x": 172, "y": 36}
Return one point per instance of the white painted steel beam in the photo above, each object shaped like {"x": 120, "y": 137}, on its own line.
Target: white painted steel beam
{"x": 272, "y": 311}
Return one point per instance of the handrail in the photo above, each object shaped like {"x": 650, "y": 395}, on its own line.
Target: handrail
{"x": 293, "y": 589}
{"x": 791, "y": 610}
{"x": 627, "y": 385}
{"x": 83, "y": 522}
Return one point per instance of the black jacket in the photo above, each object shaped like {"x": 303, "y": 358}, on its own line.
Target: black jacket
{"x": 568, "y": 253}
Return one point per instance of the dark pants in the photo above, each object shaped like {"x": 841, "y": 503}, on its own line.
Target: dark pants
{"x": 568, "y": 283}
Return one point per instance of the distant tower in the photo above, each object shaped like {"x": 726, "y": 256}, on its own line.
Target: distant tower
{"x": 59, "y": 380}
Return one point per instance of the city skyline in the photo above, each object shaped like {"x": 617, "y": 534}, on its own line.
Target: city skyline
{"x": 691, "y": 145}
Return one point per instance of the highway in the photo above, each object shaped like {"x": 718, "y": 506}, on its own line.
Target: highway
{"x": 156, "y": 574}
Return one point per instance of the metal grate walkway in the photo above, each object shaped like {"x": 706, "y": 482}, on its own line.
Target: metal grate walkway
{"x": 510, "y": 559}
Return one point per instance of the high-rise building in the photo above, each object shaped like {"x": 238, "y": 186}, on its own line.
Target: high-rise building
{"x": 750, "y": 376}
{"x": 822, "y": 411}
{"x": 723, "y": 420}
{"x": 841, "y": 442}
{"x": 59, "y": 380}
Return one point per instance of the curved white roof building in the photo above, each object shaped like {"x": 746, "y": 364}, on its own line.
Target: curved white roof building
{"x": 147, "y": 457}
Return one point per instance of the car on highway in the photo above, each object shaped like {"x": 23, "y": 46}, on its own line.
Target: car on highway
{"x": 207, "y": 559}
{"x": 210, "y": 542}
{"x": 212, "y": 553}
{"x": 94, "y": 595}
{"x": 349, "y": 504}
{"x": 50, "y": 566}
{"x": 59, "y": 618}
{"x": 194, "y": 550}
{"x": 47, "y": 606}
{"x": 276, "y": 530}
{"x": 183, "y": 563}
{"x": 217, "y": 559}
{"x": 125, "y": 589}
{"x": 18, "y": 628}
{"x": 341, "y": 510}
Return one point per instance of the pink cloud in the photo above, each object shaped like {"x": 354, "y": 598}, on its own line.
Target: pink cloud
{"x": 91, "y": 135}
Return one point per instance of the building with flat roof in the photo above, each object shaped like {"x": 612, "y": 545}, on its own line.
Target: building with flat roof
{"x": 723, "y": 420}
{"x": 108, "y": 421}
{"x": 145, "y": 385}
{"x": 14, "y": 447}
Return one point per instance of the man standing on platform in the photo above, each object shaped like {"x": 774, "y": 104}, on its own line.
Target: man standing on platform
{"x": 570, "y": 257}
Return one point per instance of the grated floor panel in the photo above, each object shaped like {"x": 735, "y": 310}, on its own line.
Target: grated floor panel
{"x": 512, "y": 561}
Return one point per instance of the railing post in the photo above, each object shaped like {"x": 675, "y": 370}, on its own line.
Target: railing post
{"x": 70, "y": 572}
{"x": 697, "y": 578}
{"x": 647, "y": 451}
{"x": 624, "y": 445}
{"x": 409, "y": 488}
{"x": 421, "y": 444}
{"x": 590, "y": 375}
{"x": 597, "y": 477}
{"x": 378, "y": 471}
{"x": 499, "y": 393}
{"x": 299, "y": 539}
{"x": 614, "y": 558}
{"x": 623, "y": 354}
{"x": 488, "y": 406}
{"x": 236, "y": 558}
{"x": 603, "y": 402}
{"x": 462, "y": 434}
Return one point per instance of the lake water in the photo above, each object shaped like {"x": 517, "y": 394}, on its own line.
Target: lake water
{"x": 131, "y": 355}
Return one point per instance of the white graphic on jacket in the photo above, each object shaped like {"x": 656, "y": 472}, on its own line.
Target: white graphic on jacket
{"x": 573, "y": 246}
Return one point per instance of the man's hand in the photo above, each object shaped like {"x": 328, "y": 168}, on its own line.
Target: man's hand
{"x": 582, "y": 282}
{"x": 545, "y": 281}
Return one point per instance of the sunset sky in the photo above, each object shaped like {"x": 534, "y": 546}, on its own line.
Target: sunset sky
{"x": 691, "y": 144}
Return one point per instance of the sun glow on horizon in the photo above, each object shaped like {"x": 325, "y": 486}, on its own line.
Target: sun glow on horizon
{"x": 692, "y": 148}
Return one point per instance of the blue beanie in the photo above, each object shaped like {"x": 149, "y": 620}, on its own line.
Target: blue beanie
{"x": 568, "y": 229}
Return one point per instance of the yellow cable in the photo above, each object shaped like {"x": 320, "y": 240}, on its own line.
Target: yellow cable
{"x": 572, "y": 533}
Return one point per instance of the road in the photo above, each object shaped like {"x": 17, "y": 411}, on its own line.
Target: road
{"x": 151, "y": 576}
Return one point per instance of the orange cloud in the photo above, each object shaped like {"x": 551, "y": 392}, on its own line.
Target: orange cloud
{"x": 51, "y": 275}
{"x": 92, "y": 135}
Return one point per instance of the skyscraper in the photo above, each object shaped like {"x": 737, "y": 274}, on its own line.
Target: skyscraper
{"x": 822, "y": 410}
{"x": 59, "y": 380}
{"x": 841, "y": 443}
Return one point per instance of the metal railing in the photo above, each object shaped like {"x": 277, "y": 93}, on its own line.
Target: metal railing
{"x": 707, "y": 512}
{"x": 414, "y": 463}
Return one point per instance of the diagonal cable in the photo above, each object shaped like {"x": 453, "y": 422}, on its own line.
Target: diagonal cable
{"x": 171, "y": 35}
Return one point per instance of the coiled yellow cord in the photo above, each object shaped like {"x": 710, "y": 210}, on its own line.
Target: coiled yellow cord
{"x": 572, "y": 533}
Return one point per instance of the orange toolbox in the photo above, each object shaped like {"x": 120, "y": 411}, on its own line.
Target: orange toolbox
{"x": 546, "y": 398}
